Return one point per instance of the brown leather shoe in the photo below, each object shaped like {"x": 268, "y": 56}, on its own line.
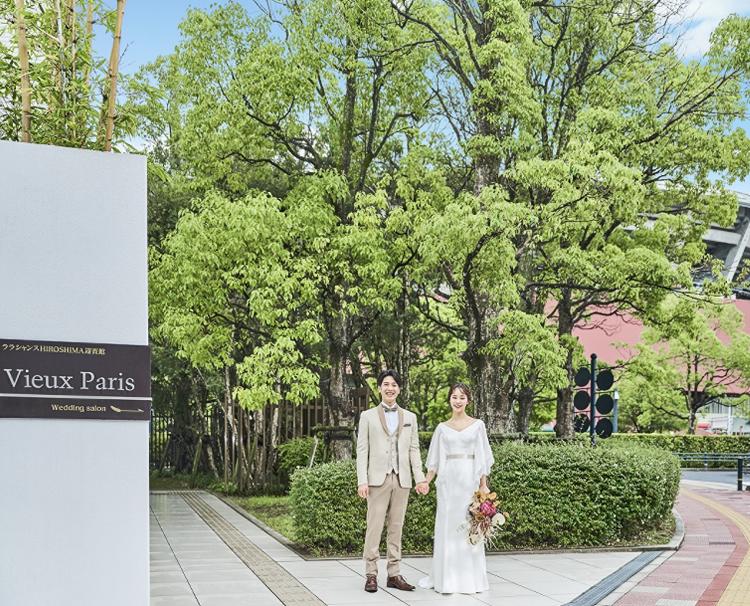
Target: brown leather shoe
{"x": 371, "y": 584}
{"x": 399, "y": 582}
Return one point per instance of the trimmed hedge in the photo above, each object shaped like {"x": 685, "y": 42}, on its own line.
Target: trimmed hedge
{"x": 688, "y": 443}
{"x": 685, "y": 443}
{"x": 557, "y": 495}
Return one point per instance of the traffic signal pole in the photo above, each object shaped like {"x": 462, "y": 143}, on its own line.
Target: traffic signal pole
{"x": 592, "y": 431}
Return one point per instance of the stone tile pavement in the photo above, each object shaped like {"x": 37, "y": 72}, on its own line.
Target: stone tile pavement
{"x": 203, "y": 553}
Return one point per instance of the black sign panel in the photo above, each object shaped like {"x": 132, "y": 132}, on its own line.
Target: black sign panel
{"x": 583, "y": 376}
{"x": 605, "y": 379}
{"x": 581, "y": 423}
{"x": 582, "y": 400}
{"x": 604, "y": 404}
{"x": 603, "y": 428}
{"x": 57, "y": 380}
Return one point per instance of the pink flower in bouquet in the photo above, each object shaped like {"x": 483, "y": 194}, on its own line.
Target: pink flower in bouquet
{"x": 484, "y": 518}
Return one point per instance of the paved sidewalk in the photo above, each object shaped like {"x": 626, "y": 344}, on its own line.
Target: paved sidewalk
{"x": 712, "y": 567}
{"x": 205, "y": 553}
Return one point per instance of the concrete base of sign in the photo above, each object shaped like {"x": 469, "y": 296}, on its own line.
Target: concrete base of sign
{"x": 73, "y": 513}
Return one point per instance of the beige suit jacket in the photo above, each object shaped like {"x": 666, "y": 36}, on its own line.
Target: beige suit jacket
{"x": 372, "y": 448}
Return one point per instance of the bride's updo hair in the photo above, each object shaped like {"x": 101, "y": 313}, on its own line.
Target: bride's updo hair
{"x": 463, "y": 387}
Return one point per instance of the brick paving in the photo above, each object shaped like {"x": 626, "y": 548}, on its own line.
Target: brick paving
{"x": 711, "y": 568}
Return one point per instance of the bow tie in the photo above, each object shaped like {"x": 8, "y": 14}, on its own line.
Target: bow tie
{"x": 386, "y": 409}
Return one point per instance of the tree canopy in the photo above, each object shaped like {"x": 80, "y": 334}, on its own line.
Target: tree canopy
{"x": 448, "y": 188}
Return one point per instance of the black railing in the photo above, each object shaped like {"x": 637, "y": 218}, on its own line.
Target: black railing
{"x": 713, "y": 459}
{"x": 739, "y": 459}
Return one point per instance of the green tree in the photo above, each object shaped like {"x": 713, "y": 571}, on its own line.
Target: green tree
{"x": 696, "y": 355}
{"x": 321, "y": 112}
{"x": 618, "y": 150}
{"x": 228, "y": 292}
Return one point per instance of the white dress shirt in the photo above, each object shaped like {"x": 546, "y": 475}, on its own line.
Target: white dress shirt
{"x": 391, "y": 417}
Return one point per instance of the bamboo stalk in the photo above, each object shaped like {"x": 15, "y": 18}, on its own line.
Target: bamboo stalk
{"x": 88, "y": 44}
{"x": 60, "y": 73}
{"x": 23, "y": 60}
{"x": 70, "y": 26}
{"x": 114, "y": 62}
{"x": 72, "y": 34}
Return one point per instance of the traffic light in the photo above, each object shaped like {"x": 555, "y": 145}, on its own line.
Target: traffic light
{"x": 591, "y": 398}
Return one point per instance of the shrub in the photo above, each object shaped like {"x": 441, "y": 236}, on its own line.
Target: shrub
{"x": 687, "y": 443}
{"x": 293, "y": 454}
{"x": 557, "y": 495}
{"x": 573, "y": 495}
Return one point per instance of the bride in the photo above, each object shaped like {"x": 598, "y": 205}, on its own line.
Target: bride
{"x": 461, "y": 457}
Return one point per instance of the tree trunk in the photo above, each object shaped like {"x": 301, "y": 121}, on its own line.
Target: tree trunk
{"x": 228, "y": 459}
{"x": 487, "y": 167}
{"x": 210, "y": 457}
{"x": 23, "y": 61}
{"x": 403, "y": 355}
{"x": 273, "y": 442}
{"x": 504, "y": 421}
{"x": 183, "y": 431}
{"x": 564, "y": 424}
{"x": 525, "y": 406}
{"x": 110, "y": 97}
{"x": 339, "y": 400}
{"x": 489, "y": 405}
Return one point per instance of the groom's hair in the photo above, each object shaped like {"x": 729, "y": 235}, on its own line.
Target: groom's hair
{"x": 389, "y": 373}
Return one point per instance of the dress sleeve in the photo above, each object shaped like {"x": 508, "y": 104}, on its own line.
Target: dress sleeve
{"x": 483, "y": 457}
{"x": 433, "y": 454}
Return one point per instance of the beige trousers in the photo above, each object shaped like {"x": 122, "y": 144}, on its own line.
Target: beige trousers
{"x": 388, "y": 500}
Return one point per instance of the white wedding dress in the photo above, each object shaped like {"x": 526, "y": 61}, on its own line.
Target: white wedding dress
{"x": 460, "y": 458}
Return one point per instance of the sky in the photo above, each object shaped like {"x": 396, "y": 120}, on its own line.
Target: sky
{"x": 151, "y": 28}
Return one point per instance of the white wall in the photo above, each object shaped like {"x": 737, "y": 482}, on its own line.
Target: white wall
{"x": 73, "y": 493}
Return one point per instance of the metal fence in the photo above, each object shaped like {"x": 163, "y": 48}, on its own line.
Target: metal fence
{"x": 165, "y": 444}
{"x": 715, "y": 459}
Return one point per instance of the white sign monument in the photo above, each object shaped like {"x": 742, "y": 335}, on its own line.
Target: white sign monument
{"x": 74, "y": 385}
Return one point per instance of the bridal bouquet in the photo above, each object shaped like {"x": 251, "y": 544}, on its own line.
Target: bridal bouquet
{"x": 485, "y": 517}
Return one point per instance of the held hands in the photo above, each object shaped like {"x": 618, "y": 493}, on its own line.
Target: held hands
{"x": 422, "y": 488}
{"x": 363, "y": 490}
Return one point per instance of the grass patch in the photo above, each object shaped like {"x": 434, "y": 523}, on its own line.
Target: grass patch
{"x": 180, "y": 481}
{"x": 273, "y": 511}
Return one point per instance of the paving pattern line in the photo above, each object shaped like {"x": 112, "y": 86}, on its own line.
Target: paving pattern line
{"x": 171, "y": 549}
{"x": 287, "y": 588}
{"x": 737, "y": 592}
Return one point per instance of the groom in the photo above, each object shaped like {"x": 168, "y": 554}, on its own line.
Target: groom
{"x": 387, "y": 455}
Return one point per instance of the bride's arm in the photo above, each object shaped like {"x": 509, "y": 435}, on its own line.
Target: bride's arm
{"x": 485, "y": 457}
{"x": 433, "y": 456}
